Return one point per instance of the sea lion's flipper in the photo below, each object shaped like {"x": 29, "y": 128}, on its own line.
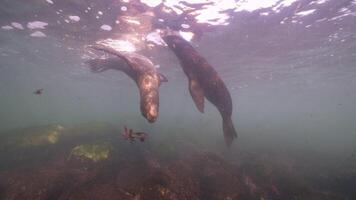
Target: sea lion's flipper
{"x": 162, "y": 77}
{"x": 96, "y": 65}
{"x": 109, "y": 50}
{"x": 229, "y": 131}
{"x": 99, "y": 65}
{"x": 197, "y": 93}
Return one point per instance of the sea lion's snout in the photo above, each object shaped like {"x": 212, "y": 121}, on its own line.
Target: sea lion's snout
{"x": 149, "y": 106}
{"x": 150, "y": 112}
{"x": 149, "y": 96}
{"x": 170, "y": 39}
{"x": 175, "y": 42}
{"x": 152, "y": 115}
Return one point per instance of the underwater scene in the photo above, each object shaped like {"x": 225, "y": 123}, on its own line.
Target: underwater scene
{"x": 178, "y": 99}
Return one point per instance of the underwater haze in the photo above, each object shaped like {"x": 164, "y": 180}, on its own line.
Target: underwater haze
{"x": 289, "y": 65}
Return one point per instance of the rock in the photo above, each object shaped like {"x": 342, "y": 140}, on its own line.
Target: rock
{"x": 94, "y": 152}
{"x": 91, "y": 161}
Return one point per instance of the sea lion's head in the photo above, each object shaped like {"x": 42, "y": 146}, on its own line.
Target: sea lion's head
{"x": 148, "y": 85}
{"x": 149, "y": 106}
{"x": 179, "y": 46}
{"x": 175, "y": 42}
{"x": 151, "y": 112}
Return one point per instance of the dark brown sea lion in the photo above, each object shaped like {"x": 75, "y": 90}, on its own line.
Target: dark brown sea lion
{"x": 141, "y": 70}
{"x": 203, "y": 81}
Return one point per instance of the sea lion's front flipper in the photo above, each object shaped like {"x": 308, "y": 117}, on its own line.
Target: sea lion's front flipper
{"x": 162, "y": 77}
{"x": 197, "y": 93}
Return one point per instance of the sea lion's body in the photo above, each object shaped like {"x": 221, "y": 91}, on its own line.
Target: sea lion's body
{"x": 141, "y": 70}
{"x": 204, "y": 81}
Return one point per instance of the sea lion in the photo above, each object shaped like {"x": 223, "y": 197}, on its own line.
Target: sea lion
{"x": 141, "y": 70}
{"x": 204, "y": 81}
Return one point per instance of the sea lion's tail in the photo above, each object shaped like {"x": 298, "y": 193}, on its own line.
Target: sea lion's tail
{"x": 229, "y": 131}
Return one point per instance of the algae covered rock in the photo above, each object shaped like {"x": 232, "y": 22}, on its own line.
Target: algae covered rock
{"x": 92, "y": 161}
{"x": 32, "y": 136}
{"x": 94, "y": 152}
{"x": 28, "y": 146}
{"x": 39, "y": 144}
{"x": 42, "y": 136}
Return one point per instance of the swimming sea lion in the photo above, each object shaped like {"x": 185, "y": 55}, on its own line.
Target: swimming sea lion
{"x": 141, "y": 70}
{"x": 203, "y": 81}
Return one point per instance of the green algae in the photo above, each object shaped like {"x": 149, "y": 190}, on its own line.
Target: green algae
{"x": 42, "y": 136}
{"x": 94, "y": 152}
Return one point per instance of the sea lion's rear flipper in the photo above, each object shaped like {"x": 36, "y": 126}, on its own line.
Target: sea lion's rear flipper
{"x": 162, "y": 77}
{"x": 96, "y": 65}
{"x": 100, "y": 65}
{"x": 197, "y": 93}
{"x": 109, "y": 50}
{"x": 229, "y": 131}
